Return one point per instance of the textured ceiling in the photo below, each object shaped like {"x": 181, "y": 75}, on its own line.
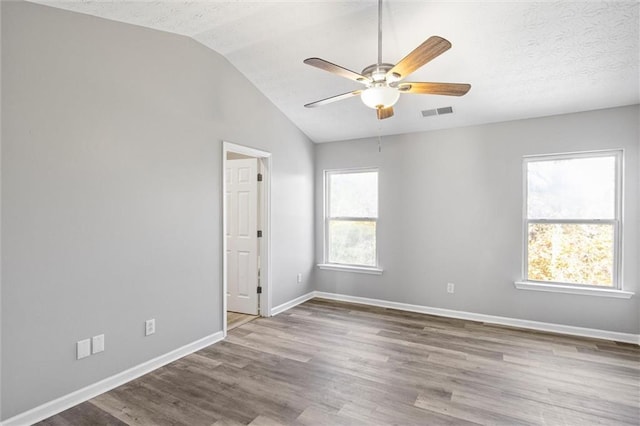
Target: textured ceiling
{"x": 523, "y": 59}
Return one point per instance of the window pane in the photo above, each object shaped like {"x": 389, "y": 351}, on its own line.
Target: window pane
{"x": 571, "y": 253}
{"x": 353, "y": 194}
{"x": 578, "y": 188}
{"x": 352, "y": 242}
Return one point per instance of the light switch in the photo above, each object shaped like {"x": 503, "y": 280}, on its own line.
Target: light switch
{"x": 83, "y": 348}
{"x": 97, "y": 344}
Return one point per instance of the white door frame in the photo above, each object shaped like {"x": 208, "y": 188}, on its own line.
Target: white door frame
{"x": 265, "y": 214}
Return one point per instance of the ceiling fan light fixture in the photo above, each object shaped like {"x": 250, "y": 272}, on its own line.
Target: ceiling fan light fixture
{"x": 380, "y": 96}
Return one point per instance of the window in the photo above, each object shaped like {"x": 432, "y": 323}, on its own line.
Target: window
{"x": 572, "y": 219}
{"x": 351, "y": 215}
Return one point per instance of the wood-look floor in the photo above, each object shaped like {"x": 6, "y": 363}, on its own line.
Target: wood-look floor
{"x": 236, "y": 319}
{"x": 332, "y": 363}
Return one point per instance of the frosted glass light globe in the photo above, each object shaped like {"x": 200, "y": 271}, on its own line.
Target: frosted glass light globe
{"x": 380, "y": 96}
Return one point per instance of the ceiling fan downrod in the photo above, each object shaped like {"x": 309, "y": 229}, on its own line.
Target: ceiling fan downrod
{"x": 379, "y": 32}
{"x": 378, "y": 94}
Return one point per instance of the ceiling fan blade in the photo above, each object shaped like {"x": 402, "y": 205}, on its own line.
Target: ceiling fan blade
{"x": 336, "y": 69}
{"x": 447, "y": 89}
{"x": 384, "y": 113}
{"x": 431, "y": 48}
{"x": 333, "y": 99}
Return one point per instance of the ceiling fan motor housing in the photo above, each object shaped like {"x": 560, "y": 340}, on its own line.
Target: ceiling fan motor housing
{"x": 377, "y": 72}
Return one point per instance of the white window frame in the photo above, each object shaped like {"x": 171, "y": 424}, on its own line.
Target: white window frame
{"x": 616, "y": 289}
{"x": 376, "y": 270}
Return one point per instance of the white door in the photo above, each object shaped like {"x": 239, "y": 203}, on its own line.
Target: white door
{"x": 242, "y": 235}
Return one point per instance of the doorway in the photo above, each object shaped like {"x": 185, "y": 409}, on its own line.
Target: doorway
{"x": 246, "y": 239}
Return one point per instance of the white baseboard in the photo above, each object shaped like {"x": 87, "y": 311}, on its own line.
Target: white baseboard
{"x": 291, "y": 303}
{"x": 491, "y": 319}
{"x": 58, "y": 405}
{"x": 67, "y": 401}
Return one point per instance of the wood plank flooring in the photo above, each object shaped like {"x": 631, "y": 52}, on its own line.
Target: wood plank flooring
{"x": 333, "y": 363}
{"x": 236, "y": 319}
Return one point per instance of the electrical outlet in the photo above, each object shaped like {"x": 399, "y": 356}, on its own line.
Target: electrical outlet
{"x": 299, "y": 278}
{"x": 83, "y": 348}
{"x": 149, "y": 327}
{"x": 450, "y": 288}
{"x": 97, "y": 344}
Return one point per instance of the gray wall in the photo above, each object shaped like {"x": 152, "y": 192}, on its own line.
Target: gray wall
{"x": 451, "y": 211}
{"x": 111, "y": 177}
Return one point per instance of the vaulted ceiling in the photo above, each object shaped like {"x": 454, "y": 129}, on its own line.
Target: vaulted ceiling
{"x": 523, "y": 59}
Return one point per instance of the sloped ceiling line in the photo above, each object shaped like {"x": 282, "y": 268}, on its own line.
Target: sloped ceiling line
{"x": 523, "y": 59}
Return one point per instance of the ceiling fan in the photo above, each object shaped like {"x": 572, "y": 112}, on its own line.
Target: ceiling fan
{"x": 384, "y": 82}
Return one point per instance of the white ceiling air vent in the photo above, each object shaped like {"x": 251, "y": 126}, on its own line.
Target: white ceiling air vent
{"x": 437, "y": 111}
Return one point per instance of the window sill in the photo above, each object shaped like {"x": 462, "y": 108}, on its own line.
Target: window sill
{"x": 556, "y": 288}
{"x": 346, "y": 268}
